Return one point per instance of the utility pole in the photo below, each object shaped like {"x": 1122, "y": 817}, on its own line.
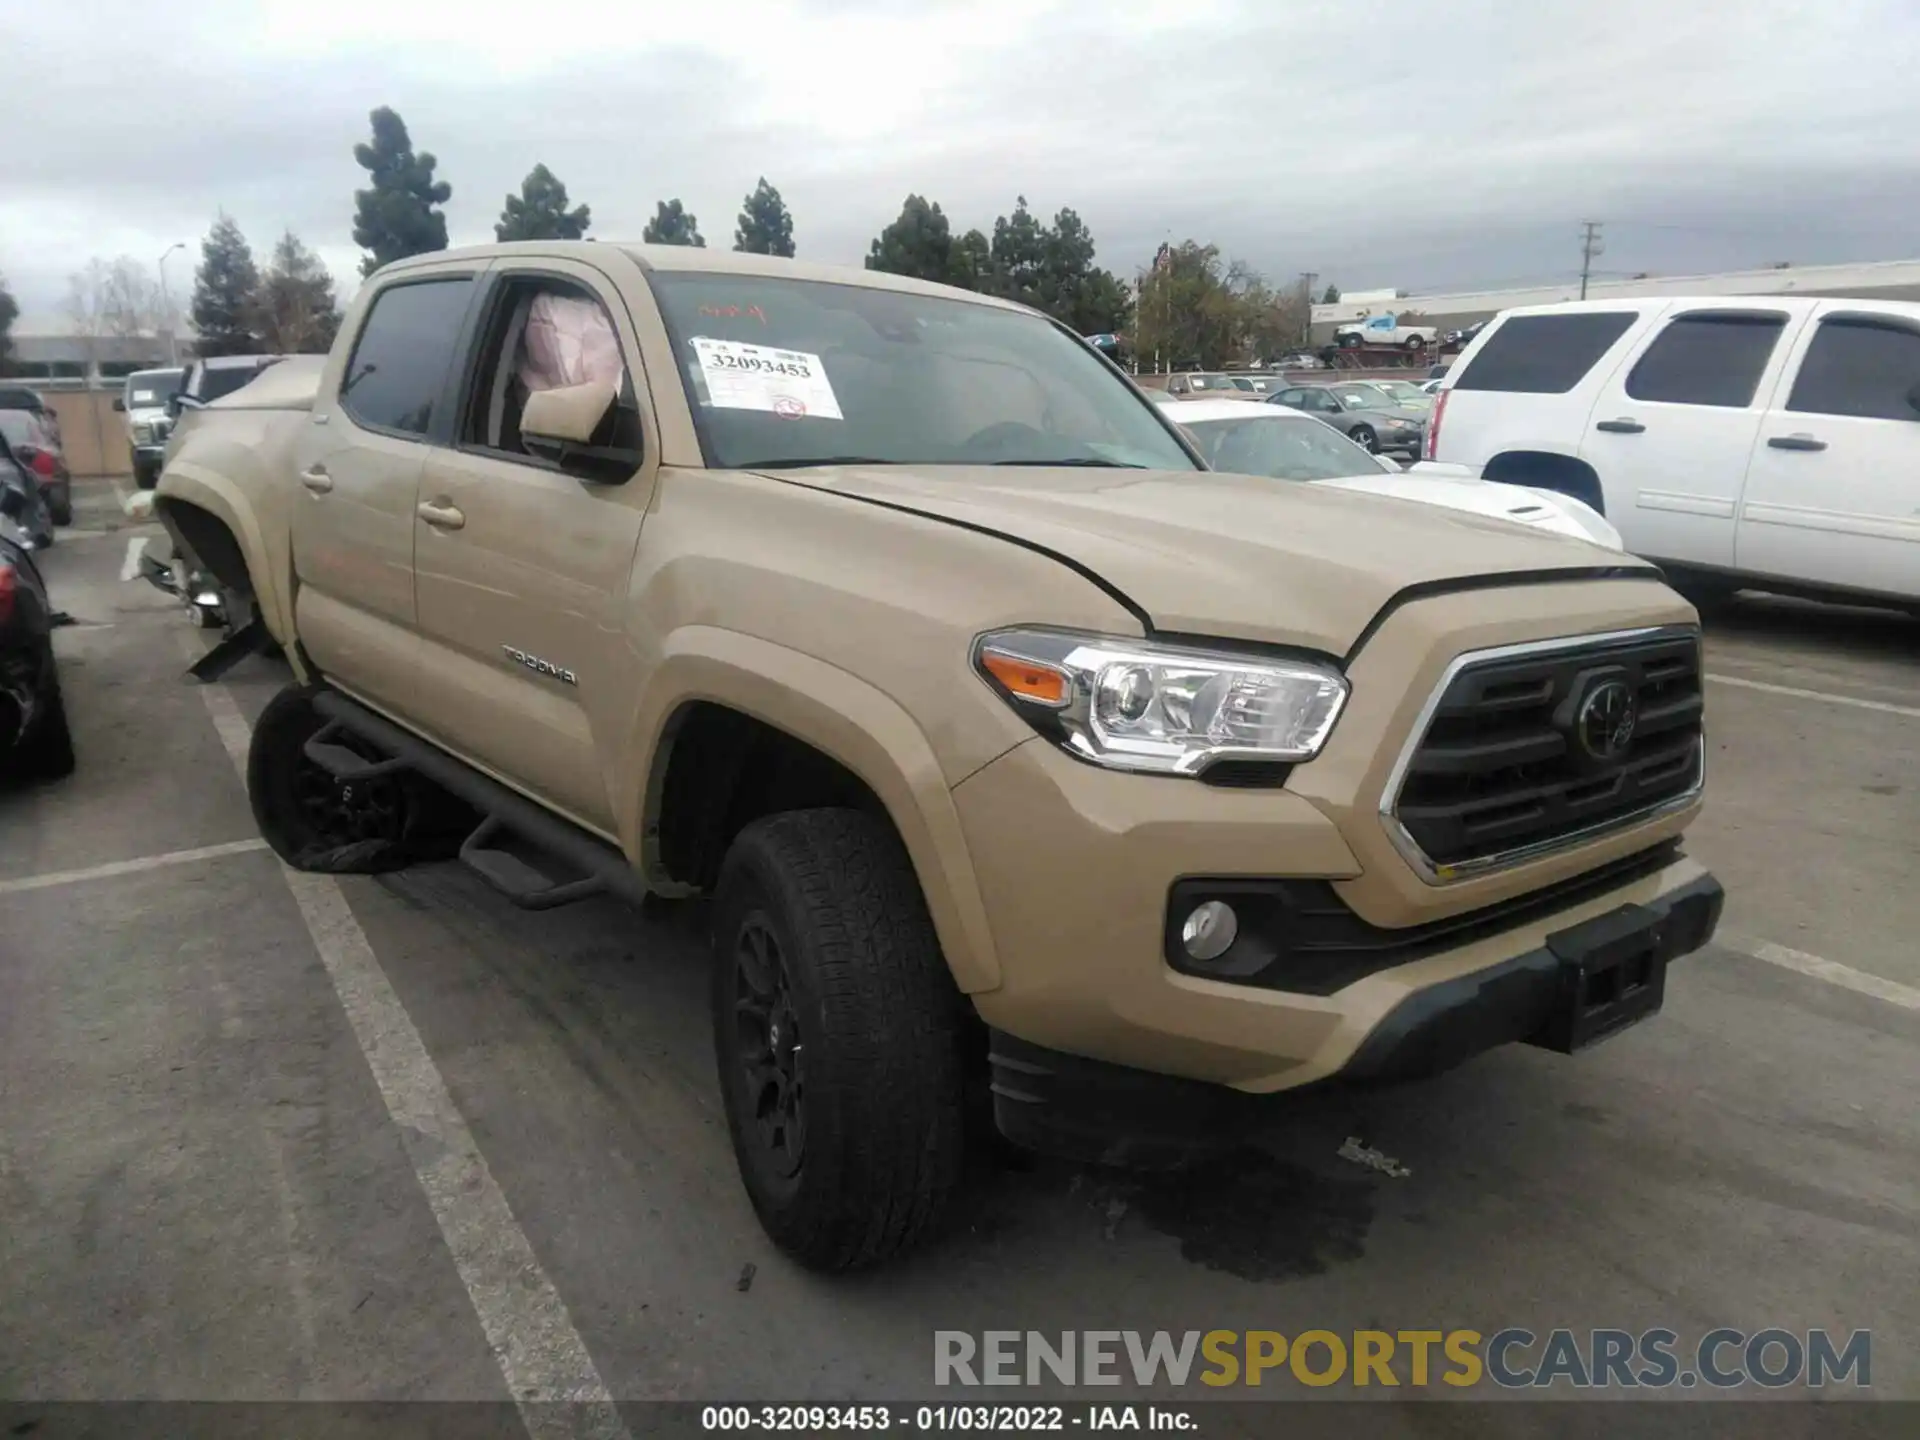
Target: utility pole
{"x": 1590, "y": 247}
{"x": 1307, "y": 277}
{"x": 166, "y": 303}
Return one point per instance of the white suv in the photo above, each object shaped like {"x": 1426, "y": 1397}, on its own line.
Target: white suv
{"x": 1762, "y": 441}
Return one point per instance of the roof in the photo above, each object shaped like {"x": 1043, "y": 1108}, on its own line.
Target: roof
{"x": 696, "y": 259}
{"x": 1792, "y": 304}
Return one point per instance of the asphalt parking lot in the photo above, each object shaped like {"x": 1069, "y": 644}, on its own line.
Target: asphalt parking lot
{"x": 271, "y": 1137}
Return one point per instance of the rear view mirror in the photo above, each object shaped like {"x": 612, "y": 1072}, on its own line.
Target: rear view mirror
{"x": 119, "y": 403}
{"x": 566, "y": 415}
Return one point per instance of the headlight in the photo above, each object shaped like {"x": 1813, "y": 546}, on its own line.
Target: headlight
{"x": 1130, "y": 705}
{"x": 143, "y": 433}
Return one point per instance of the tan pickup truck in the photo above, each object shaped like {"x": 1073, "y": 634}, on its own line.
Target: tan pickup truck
{"x": 1019, "y": 755}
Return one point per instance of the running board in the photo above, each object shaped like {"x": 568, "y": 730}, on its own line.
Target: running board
{"x": 532, "y": 857}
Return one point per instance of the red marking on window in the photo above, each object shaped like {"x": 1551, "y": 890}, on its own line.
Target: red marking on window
{"x": 734, "y": 312}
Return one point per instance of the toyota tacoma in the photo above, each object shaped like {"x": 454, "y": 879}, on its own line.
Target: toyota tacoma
{"x": 1018, "y": 755}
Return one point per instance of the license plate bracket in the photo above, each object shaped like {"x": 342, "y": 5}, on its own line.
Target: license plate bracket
{"x": 1613, "y": 974}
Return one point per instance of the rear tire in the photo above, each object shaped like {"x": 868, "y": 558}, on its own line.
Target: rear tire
{"x": 839, "y": 1037}
{"x": 47, "y": 751}
{"x": 311, "y": 820}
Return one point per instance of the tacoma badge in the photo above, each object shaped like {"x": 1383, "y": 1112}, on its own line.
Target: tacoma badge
{"x": 539, "y": 666}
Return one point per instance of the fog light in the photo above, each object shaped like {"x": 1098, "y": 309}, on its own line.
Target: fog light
{"x": 1209, "y": 930}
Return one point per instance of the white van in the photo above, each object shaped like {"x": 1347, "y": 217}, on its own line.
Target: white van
{"x": 1757, "y": 441}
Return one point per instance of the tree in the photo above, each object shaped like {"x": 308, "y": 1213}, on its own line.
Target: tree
{"x": 112, "y": 299}
{"x": 9, "y": 312}
{"x": 539, "y": 211}
{"x": 395, "y": 217}
{"x": 970, "y": 262}
{"x": 919, "y": 243}
{"x": 295, "y": 310}
{"x": 672, "y": 225}
{"x": 1332, "y": 297}
{"x": 1050, "y": 267}
{"x": 765, "y": 227}
{"x": 1191, "y": 311}
{"x": 225, "y": 289}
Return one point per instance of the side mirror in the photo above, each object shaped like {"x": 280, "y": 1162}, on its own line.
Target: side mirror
{"x": 120, "y": 403}
{"x": 1913, "y": 399}
{"x": 13, "y": 504}
{"x": 565, "y": 416}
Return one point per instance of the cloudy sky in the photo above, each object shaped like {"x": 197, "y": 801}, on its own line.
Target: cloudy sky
{"x": 1426, "y": 144}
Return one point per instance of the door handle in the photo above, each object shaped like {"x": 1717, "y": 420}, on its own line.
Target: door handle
{"x": 441, "y": 517}
{"x": 317, "y": 480}
{"x": 1622, "y": 426}
{"x": 1799, "y": 441}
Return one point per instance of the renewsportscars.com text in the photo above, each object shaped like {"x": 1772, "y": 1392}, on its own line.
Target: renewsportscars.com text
{"x": 1511, "y": 1358}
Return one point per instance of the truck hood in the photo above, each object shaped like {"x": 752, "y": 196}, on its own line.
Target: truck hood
{"x": 1233, "y": 556}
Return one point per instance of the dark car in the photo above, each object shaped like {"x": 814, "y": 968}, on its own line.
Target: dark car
{"x": 36, "y": 449}
{"x": 1365, "y": 415}
{"x": 211, "y": 379}
{"x": 35, "y": 743}
{"x": 20, "y": 493}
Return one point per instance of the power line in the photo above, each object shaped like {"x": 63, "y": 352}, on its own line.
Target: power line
{"x": 1590, "y": 248}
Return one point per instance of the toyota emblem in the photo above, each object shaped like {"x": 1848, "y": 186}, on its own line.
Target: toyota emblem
{"x": 1607, "y": 719}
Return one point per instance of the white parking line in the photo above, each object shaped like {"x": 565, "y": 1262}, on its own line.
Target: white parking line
{"x": 540, "y": 1354}
{"x": 1831, "y": 971}
{"x": 128, "y": 867}
{"x": 1883, "y": 706}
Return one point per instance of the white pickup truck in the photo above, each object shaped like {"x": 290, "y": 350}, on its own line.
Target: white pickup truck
{"x": 1762, "y": 442}
{"x": 1385, "y": 330}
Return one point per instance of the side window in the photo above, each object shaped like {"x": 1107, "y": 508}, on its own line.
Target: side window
{"x": 399, "y": 363}
{"x": 1544, "y": 354}
{"x": 1707, "y": 358}
{"x": 544, "y": 334}
{"x": 1292, "y": 397}
{"x": 1860, "y": 366}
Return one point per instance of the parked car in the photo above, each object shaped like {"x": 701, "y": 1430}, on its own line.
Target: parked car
{"x": 35, "y": 743}
{"x": 145, "y": 402}
{"x": 27, "y": 505}
{"x": 1385, "y": 330}
{"x": 1205, "y": 382}
{"x": 25, "y": 397}
{"x": 894, "y": 619}
{"x": 36, "y": 449}
{"x": 1298, "y": 360}
{"x": 1284, "y": 444}
{"x": 1755, "y": 441}
{"x": 1363, "y": 414}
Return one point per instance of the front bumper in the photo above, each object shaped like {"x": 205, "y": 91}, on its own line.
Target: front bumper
{"x": 1584, "y": 983}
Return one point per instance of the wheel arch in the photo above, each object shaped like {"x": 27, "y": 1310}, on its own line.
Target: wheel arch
{"x": 1546, "y": 469}
{"x": 847, "y": 723}
{"x": 207, "y": 515}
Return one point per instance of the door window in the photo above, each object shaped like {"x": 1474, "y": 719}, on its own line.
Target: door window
{"x": 546, "y": 333}
{"x": 1860, "y": 366}
{"x": 1707, "y": 358}
{"x": 1544, "y": 354}
{"x": 398, "y": 369}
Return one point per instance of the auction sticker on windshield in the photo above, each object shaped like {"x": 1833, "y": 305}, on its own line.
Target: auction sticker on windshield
{"x": 788, "y": 383}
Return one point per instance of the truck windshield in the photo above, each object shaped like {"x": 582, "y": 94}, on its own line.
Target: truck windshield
{"x": 151, "y": 389}
{"x": 784, "y": 373}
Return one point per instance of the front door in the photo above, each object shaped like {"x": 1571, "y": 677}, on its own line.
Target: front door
{"x": 357, "y": 468}
{"x": 522, "y": 564}
{"x": 1833, "y": 489}
{"x": 1674, "y": 424}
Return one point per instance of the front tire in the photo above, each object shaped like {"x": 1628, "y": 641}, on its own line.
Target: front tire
{"x": 46, "y": 753}
{"x": 1363, "y": 436}
{"x": 838, "y": 1033}
{"x": 1416, "y": 342}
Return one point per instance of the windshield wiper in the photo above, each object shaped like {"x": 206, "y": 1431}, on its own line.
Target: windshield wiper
{"x": 1085, "y": 462}
{"x": 800, "y": 462}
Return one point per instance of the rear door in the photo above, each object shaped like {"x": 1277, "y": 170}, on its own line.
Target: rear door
{"x": 1833, "y": 488}
{"x": 1528, "y": 383}
{"x": 358, "y": 469}
{"x": 1673, "y": 425}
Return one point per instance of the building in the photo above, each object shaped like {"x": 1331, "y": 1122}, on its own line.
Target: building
{"x": 46, "y": 351}
{"x": 1874, "y": 280}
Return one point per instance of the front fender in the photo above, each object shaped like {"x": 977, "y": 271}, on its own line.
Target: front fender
{"x": 844, "y": 717}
